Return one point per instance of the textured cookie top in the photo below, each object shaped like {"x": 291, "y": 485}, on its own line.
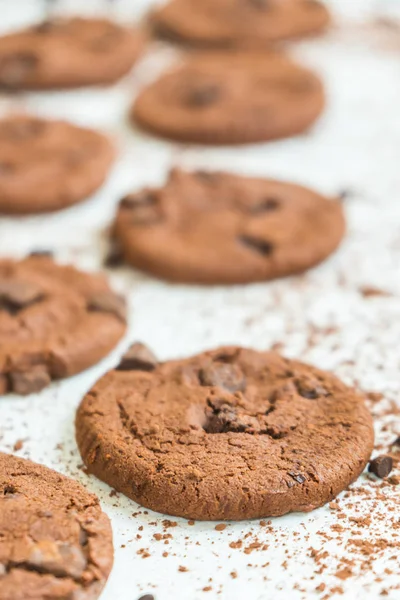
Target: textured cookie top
{"x": 67, "y": 53}
{"x": 218, "y": 227}
{"x": 55, "y": 541}
{"x": 239, "y": 22}
{"x": 228, "y": 434}
{"x": 54, "y": 321}
{"x": 229, "y": 98}
{"x": 48, "y": 165}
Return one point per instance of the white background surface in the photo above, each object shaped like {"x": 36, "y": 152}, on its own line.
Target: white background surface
{"x": 355, "y": 146}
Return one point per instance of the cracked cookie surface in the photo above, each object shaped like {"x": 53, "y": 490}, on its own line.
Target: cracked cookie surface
{"x": 221, "y": 228}
{"x": 232, "y": 23}
{"x": 228, "y": 434}
{"x": 49, "y": 165}
{"x": 55, "y": 321}
{"x": 55, "y": 542}
{"x": 67, "y": 53}
{"x": 230, "y": 98}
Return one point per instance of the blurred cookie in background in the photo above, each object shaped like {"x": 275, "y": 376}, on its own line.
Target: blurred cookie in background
{"x": 55, "y": 321}
{"x": 47, "y": 165}
{"x": 232, "y": 23}
{"x": 68, "y": 53}
{"x": 231, "y": 98}
{"x": 220, "y": 228}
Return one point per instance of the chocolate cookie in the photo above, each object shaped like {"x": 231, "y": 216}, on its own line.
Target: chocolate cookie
{"x": 231, "y": 98}
{"x": 49, "y": 165}
{"x": 67, "y": 53}
{"x": 231, "y": 23}
{"x": 228, "y": 434}
{"x": 55, "y": 541}
{"x": 206, "y": 227}
{"x": 55, "y": 321}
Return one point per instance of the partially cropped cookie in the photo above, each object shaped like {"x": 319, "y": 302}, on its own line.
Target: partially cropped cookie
{"x": 55, "y": 321}
{"x": 214, "y": 227}
{"x": 228, "y": 434}
{"x": 49, "y": 165}
{"x": 231, "y": 98}
{"x": 67, "y": 53}
{"x": 55, "y": 542}
{"x": 232, "y": 23}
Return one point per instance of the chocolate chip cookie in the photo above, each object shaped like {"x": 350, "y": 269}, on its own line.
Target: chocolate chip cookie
{"x": 231, "y": 98}
{"x": 55, "y": 321}
{"x": 232, "y": 23}
{"x": 67, "y": 54}
{"x": 228, "y": 434}
{"x": 220, "y": 228}
{"x": 49, "y": 165}
{"x": 55, "y": 541}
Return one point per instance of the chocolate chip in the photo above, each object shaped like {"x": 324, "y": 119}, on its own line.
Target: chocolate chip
{"x": 266, "y": 205}
{"x": 41, "y": 253}
{"x": 29, "y": 381}
{"x": 147, "y": 597}
{"x": 60, "y": 559}
{"x": 224, "y": 375}
{"x": 114, "y": 257}
{"x": 297, "y": 477}
{"x": 14, "y": 68}
{"x": 207, "y": 176}
{"x": 221, "y": 419}
{"x": 202, "y": 95}
{"x": 310, "y": 389}
{"x": 262, "y": 246}
{"x": 9, "y": 490}
{"x": 44, "y": 27}
{"x": 108, "y": 302}
{"x": 138, "y": 358}
{"x": 143, "y": 198}
{"x": 381, "y": 466}
{"x": 17, "y": 294}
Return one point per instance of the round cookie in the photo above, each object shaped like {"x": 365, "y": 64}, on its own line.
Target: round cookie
{"x": 228, "y": 434}
{"x": 69, "y": 53}
{"x": 49, "y": 165}
{"x": 220, "y": 228}
{"x": 232, "y": 23}
{"x": 55, "y": 543}
{"x": 55, "y": 321}
{"x": 231, "y": 98}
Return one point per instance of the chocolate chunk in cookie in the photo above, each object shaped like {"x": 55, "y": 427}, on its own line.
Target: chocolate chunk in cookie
{"x": 138, "y": 358}
{"x": 225, "y": 434}
{"x": 223, "y": 228}
{"x": 231, "y": 98}
{"x": 40, "y": 175}
{"x": 56, "y": 321}
{"x": 239, "y": 23}
{"x": 67, "y": 53}
{"x": 55, "y": 541}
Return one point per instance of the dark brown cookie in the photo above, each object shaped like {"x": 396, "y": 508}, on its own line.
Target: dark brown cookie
{"x": 67, "y": 53}
{"x": 49, "y": 165}
{"x": 55, "y": 541}
{"x": 228, "y": 434}
{"x": 232, "y": 23}
{"x": 206, "y": 227}
{"x": 231, "y": 98}
{"x": 55, "y": 321}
